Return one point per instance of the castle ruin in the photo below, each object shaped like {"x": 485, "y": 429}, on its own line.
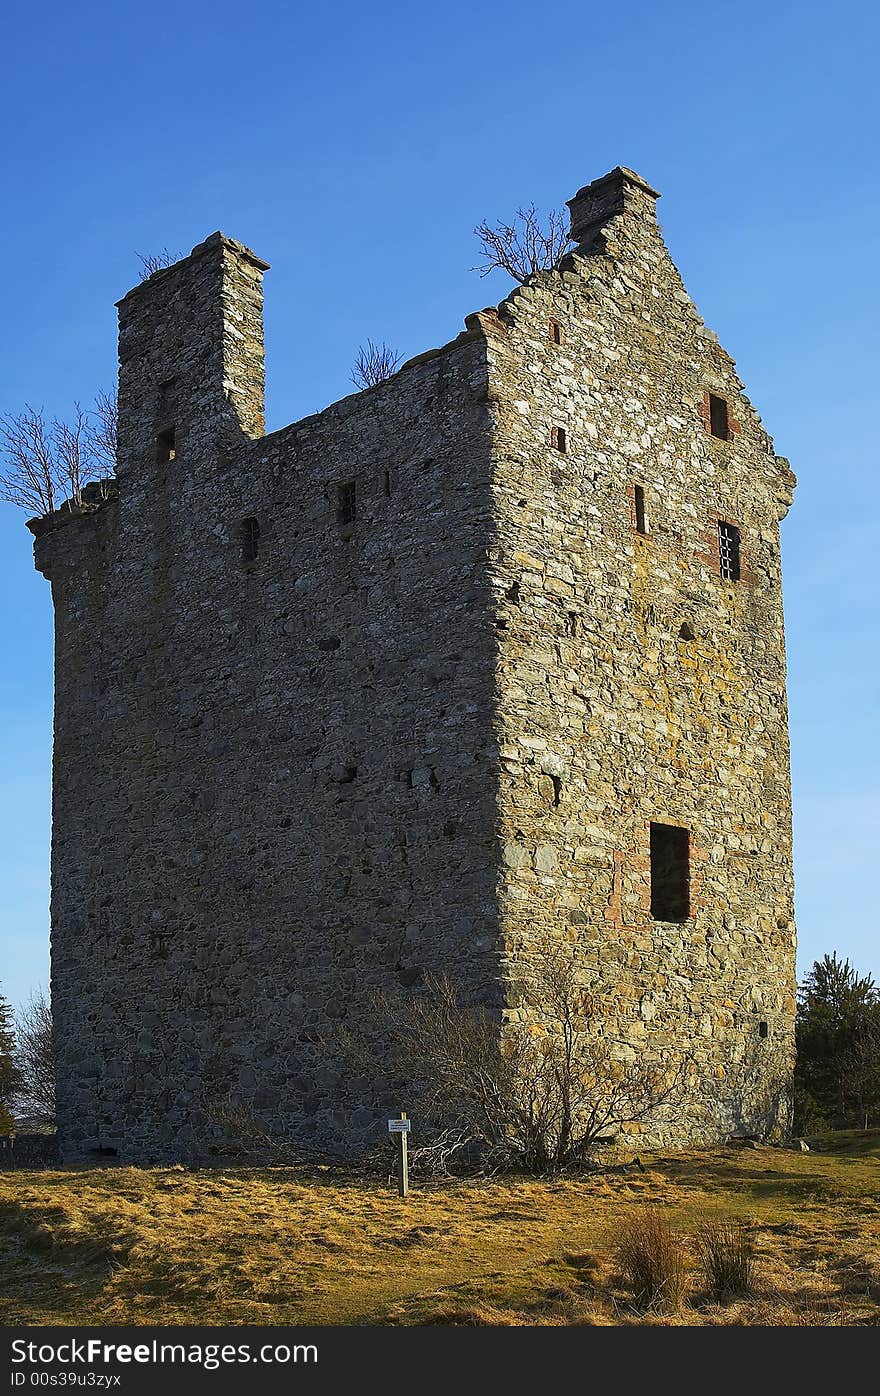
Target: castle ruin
{"x": 480, "y": 662}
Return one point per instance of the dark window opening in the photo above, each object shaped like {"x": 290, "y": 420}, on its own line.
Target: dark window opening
{"x": 165, "y": 449}
{"x": 557, "y": 439}
{"x": 718, "y": 420}
{"x": 641, "y": 516}
{"x": 763, "y": 1029}
{"x": 388, "y": 484}
{"x": 728, "y": 552}
{"x": 686, "y": 632}
{"x": 670, "y": 873}
{"x": 346, "y": 502}
{"x": 555, "y": 332}
{"x": 249, "y": 537}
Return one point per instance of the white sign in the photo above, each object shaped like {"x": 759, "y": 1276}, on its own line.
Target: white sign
{"x": 398, "y": 1126}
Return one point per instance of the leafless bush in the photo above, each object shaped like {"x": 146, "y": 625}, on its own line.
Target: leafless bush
{"x": 155, "y": 261}
{"x": 727, "y": 1256}
{"x": 529, "y": 244}
{"x": 47, "y": 462}
{"x": 652, "y": 1257}
{"x": 374, "y": 364}
{"x": 35, "y": 1062}
{"x": 540, "y": 1094}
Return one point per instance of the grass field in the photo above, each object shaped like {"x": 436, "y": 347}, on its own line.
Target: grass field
{"x": 280, "y": 1246}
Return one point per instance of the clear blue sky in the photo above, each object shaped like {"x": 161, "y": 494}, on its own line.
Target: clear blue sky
{"x": 355, "y": 147}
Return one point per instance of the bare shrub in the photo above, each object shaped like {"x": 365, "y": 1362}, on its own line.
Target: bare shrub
{"x": 375, "y": 363}
{"x": 540, "y": 1094}
{"x": 155, "y": 261}
{"x": 530, "y": 243}
{"x": 35, "y": 1062}
{"x": 652, "y": 1257}
{"x": 727, "y": 1257}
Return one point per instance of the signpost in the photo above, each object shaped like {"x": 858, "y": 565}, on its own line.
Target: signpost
{"x": 401, "y": 1128}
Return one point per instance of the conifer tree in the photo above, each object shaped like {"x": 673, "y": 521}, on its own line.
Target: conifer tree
{"x": 8, "y": 1073}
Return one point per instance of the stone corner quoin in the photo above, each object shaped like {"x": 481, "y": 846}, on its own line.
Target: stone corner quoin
{"x": 481, "y": 665}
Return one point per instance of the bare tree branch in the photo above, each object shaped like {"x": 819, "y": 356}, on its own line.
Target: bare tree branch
{"x": 529, "y": 244}
{"x": 374, "y": 364}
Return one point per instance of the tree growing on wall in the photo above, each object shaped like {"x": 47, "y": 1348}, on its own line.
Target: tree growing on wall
{"x": 374, "y": 364}
{"x": 8, "y": 1071}
{"x": 530, "y": 243}
{"x": 155, "y": 261}
{"x": 35, "y": 1061}
{"x": 48, "y": 463}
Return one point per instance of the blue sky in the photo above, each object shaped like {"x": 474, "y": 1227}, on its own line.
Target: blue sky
{"x": 355, "y": 147}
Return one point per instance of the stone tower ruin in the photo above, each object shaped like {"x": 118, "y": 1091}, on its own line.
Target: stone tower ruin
{"x": 481, "y": 662}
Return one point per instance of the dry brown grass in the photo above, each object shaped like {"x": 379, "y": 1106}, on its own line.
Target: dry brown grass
{"x": 727, "y": 1257}
{"x": 265, "y": 1246}
{"x": 652, "y": 1258}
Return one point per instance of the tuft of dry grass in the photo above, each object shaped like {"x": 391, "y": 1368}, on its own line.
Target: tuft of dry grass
{"x": 652, "y": 1257}
{"x": 727, "y": 1257}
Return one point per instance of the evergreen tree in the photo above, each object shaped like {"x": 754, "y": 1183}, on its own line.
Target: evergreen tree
{"x": 8, "y": 1073}
{"x": 838, "y": 1021}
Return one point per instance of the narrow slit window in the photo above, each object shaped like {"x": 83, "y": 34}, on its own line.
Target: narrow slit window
{"x": 165, "y": 446}
{"x": 555, "y": 332}
{"x": 670, "y": 873}
{"x": 641, "y": 516}
{"x": 719, "y": 423}
{"x": 558, "y": 439}
{"x": 346, "y": 502}
{"x": 728, "y": 552}
{"x": 388, "y": 484}
{"x": 249, "y": 536}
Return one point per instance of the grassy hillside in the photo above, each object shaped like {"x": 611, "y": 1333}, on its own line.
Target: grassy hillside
{"x": 166, "y": 1245}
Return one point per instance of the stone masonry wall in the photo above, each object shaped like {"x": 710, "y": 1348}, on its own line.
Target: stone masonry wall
{"x": 635, "y": 685}
{"x": 300, "y": 755}
{"x": 270, "y": 788}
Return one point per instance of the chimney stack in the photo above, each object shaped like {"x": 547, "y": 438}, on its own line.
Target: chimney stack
{"x": 621, "y": 191}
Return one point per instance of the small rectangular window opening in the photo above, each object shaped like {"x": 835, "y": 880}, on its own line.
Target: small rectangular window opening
{"x": 165, "y": 450}
{"x": 346, "y": 502}
{"x": 388, "y": 484}
{"x": 555, "y": 332}
{"x": 763, "y": 1029}
{"x": 249, "y": 535}
{"x": 718, "y": 420}
{"x": 557, "y": 439}
{"x": 728, "y": 552}
{"x": 670, "y": 873}
{"x": 641, "y": 516}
